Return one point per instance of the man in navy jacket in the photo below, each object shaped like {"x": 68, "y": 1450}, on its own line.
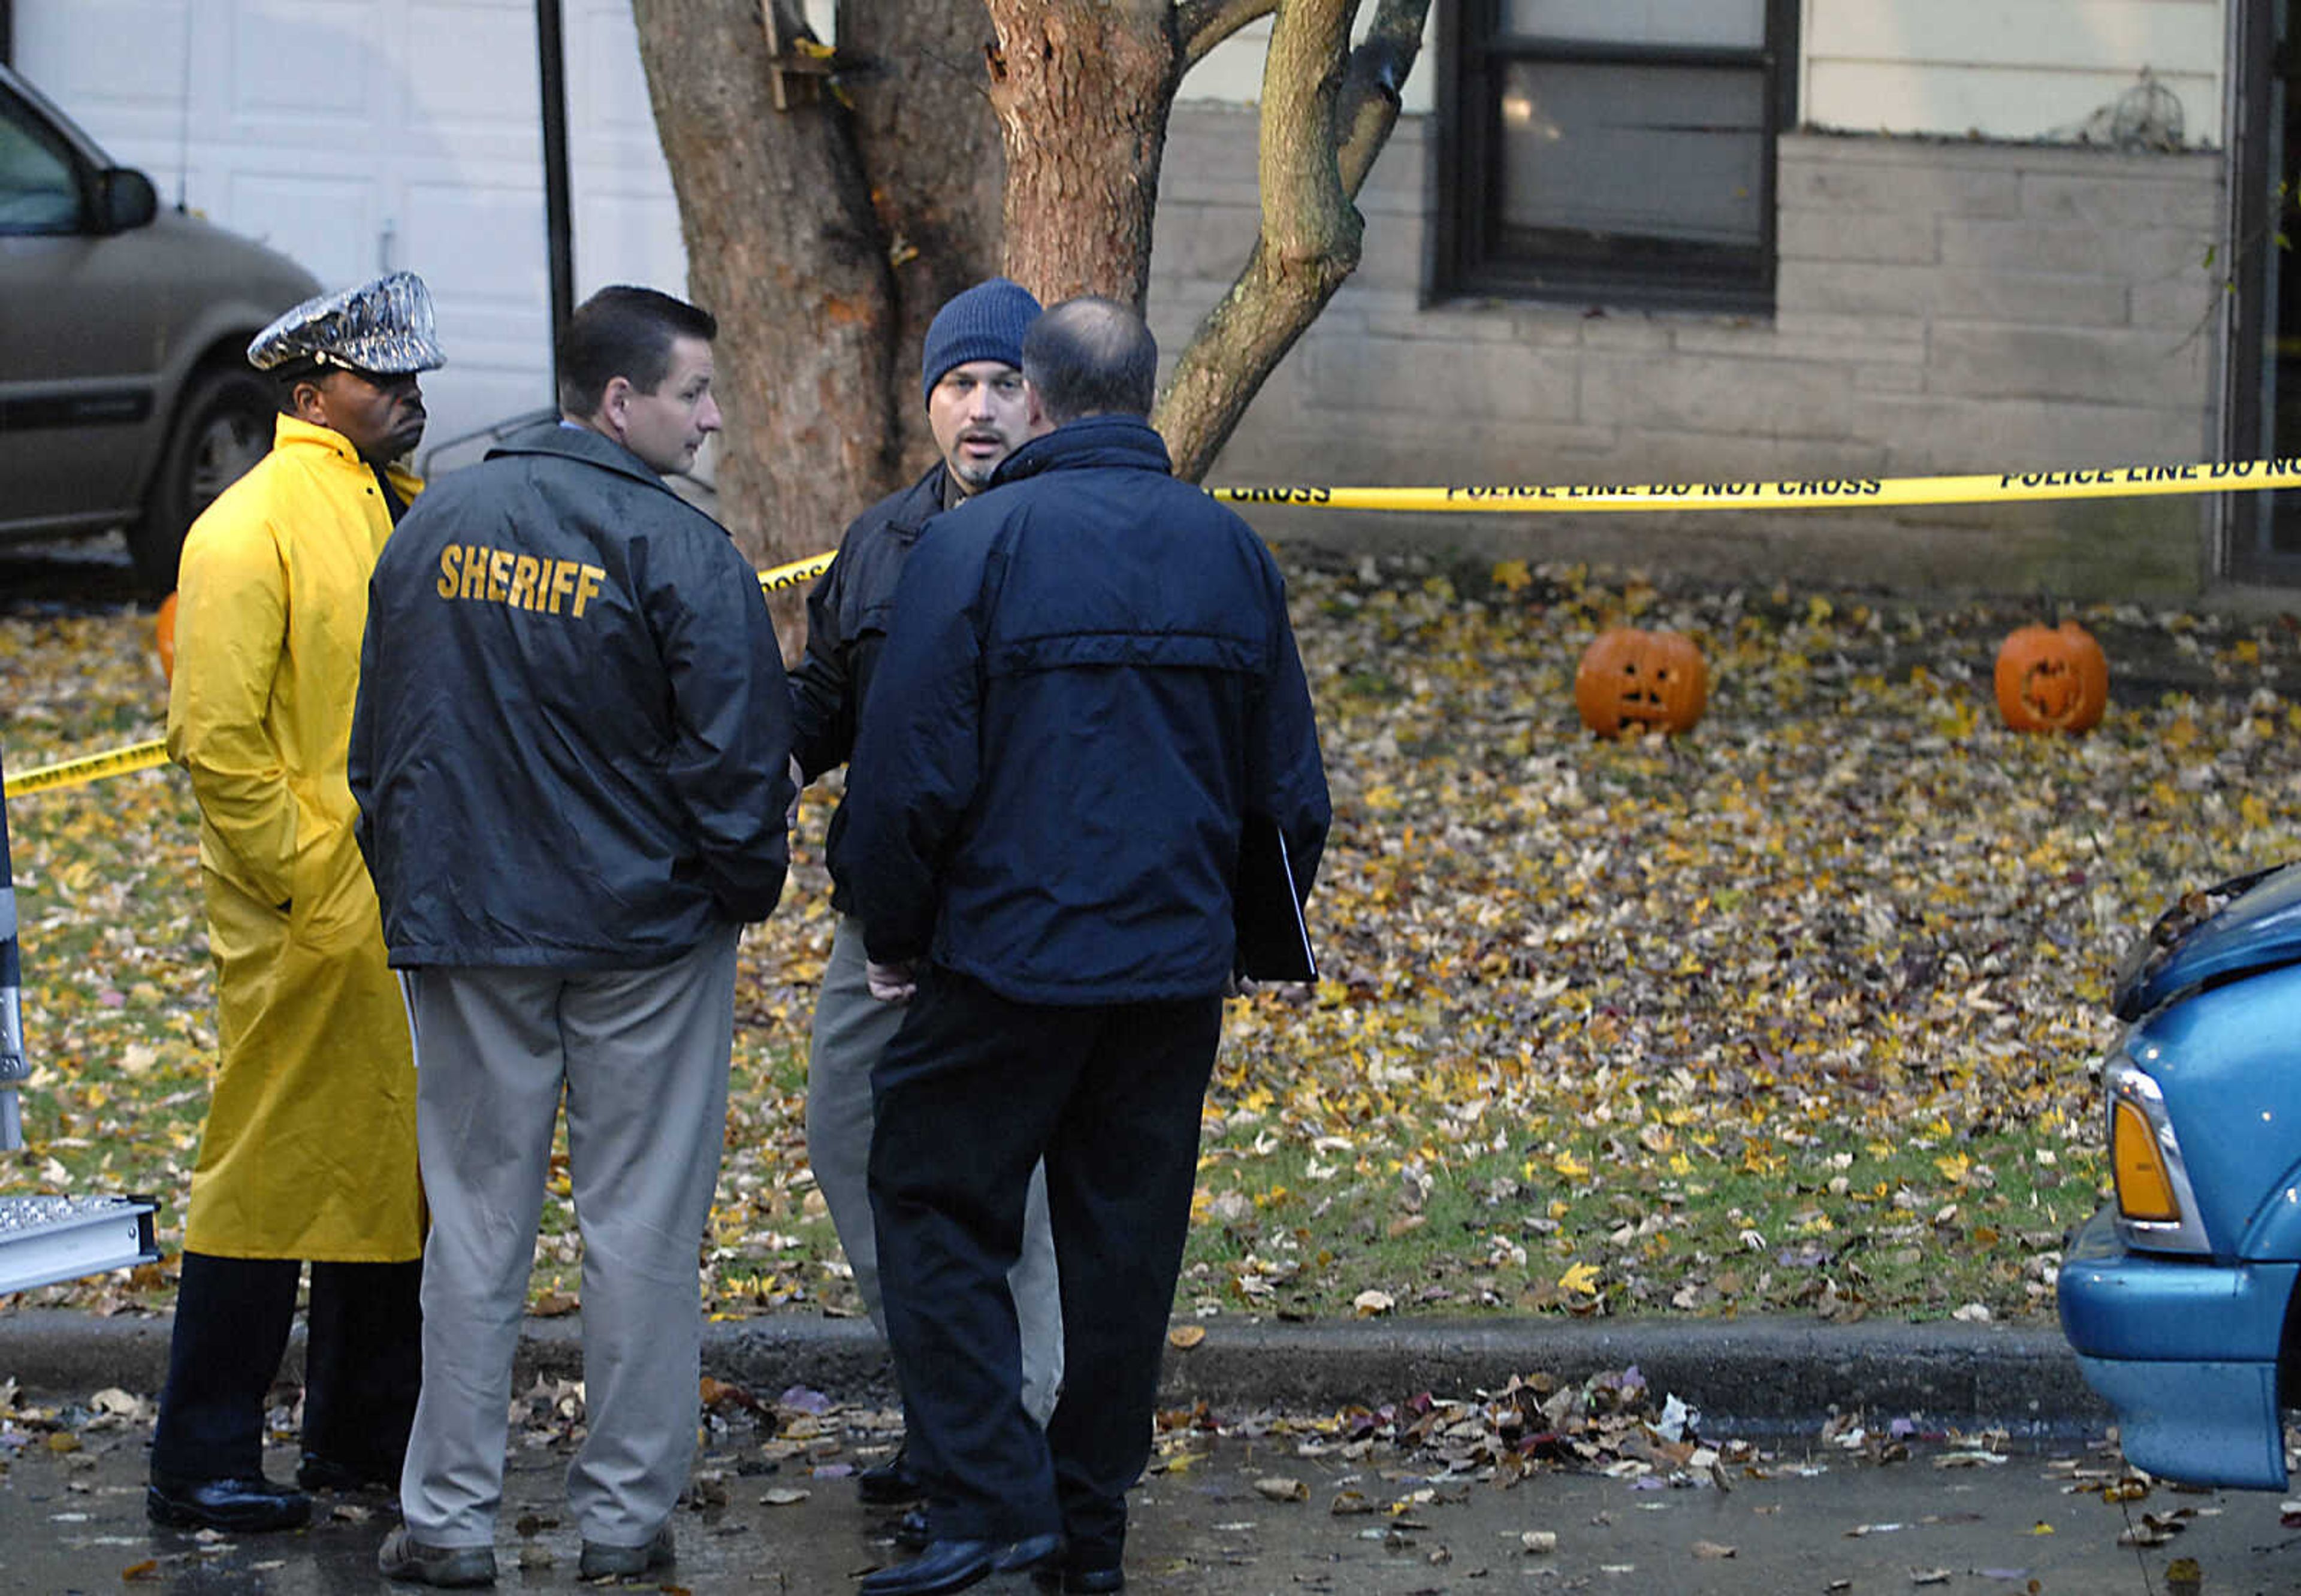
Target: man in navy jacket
{"x": 971, "y": 380}
{"x": 1090, "y": 683}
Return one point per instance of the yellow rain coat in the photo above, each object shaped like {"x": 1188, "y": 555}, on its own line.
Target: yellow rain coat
{"x": 309, "y": 1150}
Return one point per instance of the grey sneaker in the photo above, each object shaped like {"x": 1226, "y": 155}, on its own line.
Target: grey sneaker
{"x": 602, "y": 1561}
{"x": 403, "y": 1556}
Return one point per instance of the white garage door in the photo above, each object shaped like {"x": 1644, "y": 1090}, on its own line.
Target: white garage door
{"x": 361, "y": 136}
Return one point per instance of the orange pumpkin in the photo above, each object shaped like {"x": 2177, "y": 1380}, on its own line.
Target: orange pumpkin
{"x": 1640, "y": 681}
{"x": 2052, "y": 678}
{"x": 163, "y": 638}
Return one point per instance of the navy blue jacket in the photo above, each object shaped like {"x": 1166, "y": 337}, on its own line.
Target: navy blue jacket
{"x": 571, "y": 745}
{"x": 847, "y": 615}
{"x": 1090, "y": 682}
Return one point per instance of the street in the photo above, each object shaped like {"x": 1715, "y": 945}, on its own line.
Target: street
{"x": 1263, "y": 1509}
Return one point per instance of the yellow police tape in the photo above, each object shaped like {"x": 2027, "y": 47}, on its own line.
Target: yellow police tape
{"x": 796, "y": 572}
{"x": 91, "y": 767}
{"x": 2113, "y": 481}
{"x": 146, "y": 755}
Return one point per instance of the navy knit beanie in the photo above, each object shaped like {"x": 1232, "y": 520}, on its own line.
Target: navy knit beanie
{"x": 985, "y": 322}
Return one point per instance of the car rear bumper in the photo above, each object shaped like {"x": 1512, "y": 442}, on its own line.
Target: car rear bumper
{"x": 2185, "y": 1350}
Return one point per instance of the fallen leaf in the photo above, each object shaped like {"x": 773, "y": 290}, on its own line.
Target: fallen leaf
{"x": 1278, "y": 1488}
{"x": 1183, "y": 1337}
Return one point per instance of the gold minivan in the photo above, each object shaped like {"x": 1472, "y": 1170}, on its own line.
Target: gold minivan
{"x": 125, "y": 395}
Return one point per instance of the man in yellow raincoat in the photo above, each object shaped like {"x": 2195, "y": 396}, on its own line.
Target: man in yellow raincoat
{"x": 309, "y": 1149}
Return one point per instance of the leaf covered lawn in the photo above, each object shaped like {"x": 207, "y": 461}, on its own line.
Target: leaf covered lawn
{"x": 1795, "y": 1013}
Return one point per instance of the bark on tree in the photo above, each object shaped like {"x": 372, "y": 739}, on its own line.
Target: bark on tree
{"x": 1082, "y": 90}
{"x": 784, "y": 246}
{"x": 929, "y": 150}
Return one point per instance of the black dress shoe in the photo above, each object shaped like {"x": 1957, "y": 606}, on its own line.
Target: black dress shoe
{"x": 1081, "y": 1581}
{"x": 315, "y": 1471}
{"x": 246, "y": 1505}
{"x": 890, "y": 1485}
{"x": 912, "y": 1530}
{"x": 943, "y": 1565}
{"x": 1030, "y": 1554}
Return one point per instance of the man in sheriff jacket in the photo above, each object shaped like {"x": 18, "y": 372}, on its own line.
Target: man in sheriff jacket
{"x": 571, "y": 757}
{"x": 977, "y": 407}
{"x": 309, "y": 1149}
{"x": 1090, "y": 683}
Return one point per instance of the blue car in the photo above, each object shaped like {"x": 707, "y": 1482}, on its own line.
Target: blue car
{"x": 2177, "y": 1296}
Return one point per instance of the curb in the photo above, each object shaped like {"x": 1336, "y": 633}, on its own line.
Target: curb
{"x": 1762, "y": 1374}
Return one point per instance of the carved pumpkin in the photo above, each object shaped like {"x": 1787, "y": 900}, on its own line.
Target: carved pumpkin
{"x": 163, "y": 638}
{"x": 2052, "y": 678}
{"x": 1640, "y": 681}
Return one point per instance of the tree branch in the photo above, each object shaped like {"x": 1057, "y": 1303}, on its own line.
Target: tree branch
{"x": 1322, "y": 126}
{"x": 1202, "y": 24}
{"x": 1378, "y": 72}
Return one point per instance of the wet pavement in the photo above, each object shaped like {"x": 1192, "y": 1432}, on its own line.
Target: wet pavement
{"x": 1282, "y": 1512}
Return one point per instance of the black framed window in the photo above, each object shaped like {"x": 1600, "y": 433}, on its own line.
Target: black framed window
{"x": 1615, "y": 151}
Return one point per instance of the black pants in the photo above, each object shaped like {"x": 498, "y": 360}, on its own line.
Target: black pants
{"x": 363, "y": 1363}
{"x": 973, "y": 1091}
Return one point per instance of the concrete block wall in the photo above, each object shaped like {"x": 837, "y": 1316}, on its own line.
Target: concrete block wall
{"x": 1943, "y": 306}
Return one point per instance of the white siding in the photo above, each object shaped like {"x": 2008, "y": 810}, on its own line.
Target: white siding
{"x": 2021, "y": 69}
{"x": 2006, "y": 69}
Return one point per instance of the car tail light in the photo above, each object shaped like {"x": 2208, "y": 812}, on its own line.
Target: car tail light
{"x": 2156, "y": 1208}
{"x": 2143, "y": 1190}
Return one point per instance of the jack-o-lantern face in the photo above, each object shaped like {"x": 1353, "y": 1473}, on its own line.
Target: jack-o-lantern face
{"x": 1646, "y": 680}
{"x": 2052, "y": 678}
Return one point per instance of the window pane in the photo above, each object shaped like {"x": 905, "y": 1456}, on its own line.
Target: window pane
{"x": 1716, "y": 23}
{"x": 38, "y": 193}
{"x": 1672, "y": 154}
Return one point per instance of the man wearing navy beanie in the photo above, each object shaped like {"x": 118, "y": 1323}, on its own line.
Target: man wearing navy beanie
{"x": 985, "y": 322}
{"x": 980, "y": 411}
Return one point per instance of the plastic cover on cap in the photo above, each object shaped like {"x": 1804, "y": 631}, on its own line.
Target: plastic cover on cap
{"x": 384, "y": 326}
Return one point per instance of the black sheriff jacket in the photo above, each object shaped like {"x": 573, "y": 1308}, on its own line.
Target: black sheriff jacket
{"x": 573, "y": 733}
{"x": 1090, "y": 682}
{"x": 848, "y": 612}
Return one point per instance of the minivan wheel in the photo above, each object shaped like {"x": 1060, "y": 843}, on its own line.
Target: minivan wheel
{"x": 223, "y": 426}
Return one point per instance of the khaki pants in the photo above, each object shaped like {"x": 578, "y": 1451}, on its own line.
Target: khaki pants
{"x": 643, "y": 1055}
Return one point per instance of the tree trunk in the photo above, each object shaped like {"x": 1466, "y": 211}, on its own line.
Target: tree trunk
{"x": 783, "y": 246}
{"x": 1082, "y": 90}
{"x": 930, "y": 149}
{"x": 1322, "y": 127}
{"x": 825, "y": 238}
